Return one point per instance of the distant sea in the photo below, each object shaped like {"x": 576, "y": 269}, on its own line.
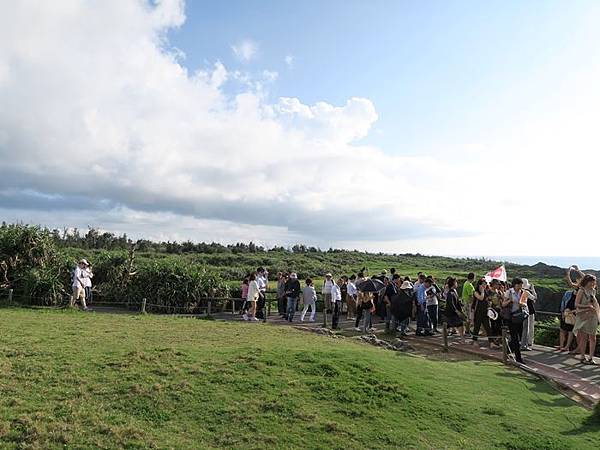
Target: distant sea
{"x": 584, "y": 262}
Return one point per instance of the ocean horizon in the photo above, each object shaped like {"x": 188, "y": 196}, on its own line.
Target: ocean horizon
{"x": 584, "y": 262}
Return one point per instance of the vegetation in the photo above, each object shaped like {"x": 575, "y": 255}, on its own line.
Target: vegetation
{"x": 86, "y": 380}
{"x": 38, "y": 264}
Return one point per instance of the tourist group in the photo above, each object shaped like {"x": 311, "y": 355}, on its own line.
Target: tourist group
{"x": 482, "y": 304}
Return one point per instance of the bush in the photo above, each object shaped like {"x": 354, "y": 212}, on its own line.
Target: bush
{"x": 32, "y": 265}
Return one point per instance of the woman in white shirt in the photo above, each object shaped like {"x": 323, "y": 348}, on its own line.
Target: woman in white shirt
{"x": 253, "y": 294}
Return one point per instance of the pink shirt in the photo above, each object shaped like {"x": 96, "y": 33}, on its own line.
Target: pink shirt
{"x": 244, "y": 290}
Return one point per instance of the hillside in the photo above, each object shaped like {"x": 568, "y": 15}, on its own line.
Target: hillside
{"x": 105, "y": 381}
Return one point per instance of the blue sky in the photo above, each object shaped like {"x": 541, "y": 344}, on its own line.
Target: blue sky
{"x": 440, "y": 127}
{"x": 450, "y": 66}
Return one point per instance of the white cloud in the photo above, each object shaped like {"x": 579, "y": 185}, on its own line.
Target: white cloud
{"x": 100, "y": 122}
{"x": 289, "y": 60}
{"x": 245, "y": 50}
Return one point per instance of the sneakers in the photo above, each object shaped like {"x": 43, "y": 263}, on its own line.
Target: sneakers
{"x": 254, "y": 319}
{"x": 245, "y": 316}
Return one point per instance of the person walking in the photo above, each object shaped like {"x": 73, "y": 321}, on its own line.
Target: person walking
{"x": 567, "y": 320}
{"x": 262, "y": 280}
{"x": 402, "y": 306}
{"x": 336, "y": 303}
{"x": 518, "y": 313}
{"x": 351, "y": 299}
{"x": 432, "y": 302}
{"x": 454, "y": 308}
{"x": 529, "y": 323}
{"x": 252, "y": 298}
{"x": 281, "y": 298}
{"x": 326, "y": 291}
{"x": 495, "y": 298}
{"x": 391, "y": 290}
{"x": 423, "y": 322}
{"x": 292, "y": 292}
{"x": 309, "y": 298}
{"x": 78, "y": 285}
{"x": 88, "y": 274}
{"x": 481, "y": 305}
{"x": 586, "y": 320}
{"x": 467, "y": 300}
{"x": 367, "y": 307}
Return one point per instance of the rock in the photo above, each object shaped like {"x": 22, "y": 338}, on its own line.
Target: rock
{"x": 397, "y": 345}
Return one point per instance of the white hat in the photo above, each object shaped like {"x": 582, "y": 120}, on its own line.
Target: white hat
{"x": 526, "y": 284}
{"x": 406, "y": 285}
{"x": 84, "y": 261}
{"x": 492, "y": 314}
{"x": 328, "y": 274}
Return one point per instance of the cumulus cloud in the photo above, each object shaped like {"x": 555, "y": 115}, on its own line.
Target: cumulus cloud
{"x": 98, "y": 114}
{"x": 101, "y": 125}
{"x": 289, "y": 60}
{"x": 245, "y": 50}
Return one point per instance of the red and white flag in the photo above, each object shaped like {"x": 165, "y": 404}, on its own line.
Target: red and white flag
{"x": 497, "y": 274}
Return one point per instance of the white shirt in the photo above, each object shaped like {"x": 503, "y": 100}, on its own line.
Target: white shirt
{"x": 327, "y": 287}
{"x": 78, "y": 280}
{"x": 252, "y": 291}
{"x": 352, "y": 288}
{"x": 336, "y": 293}
{"x": 431, "y": 295}
{"x": 87, "y": 277}
{"x": 262, "y": 282}
{"x": 309, "y": 294}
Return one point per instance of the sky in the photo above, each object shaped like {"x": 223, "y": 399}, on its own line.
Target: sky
{"x": 453, "y": 128}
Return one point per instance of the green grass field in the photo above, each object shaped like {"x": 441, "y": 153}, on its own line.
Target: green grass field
{"x": 100, "y": 380}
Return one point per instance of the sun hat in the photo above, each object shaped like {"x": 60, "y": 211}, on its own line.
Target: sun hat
{"x": 526, "y": 284}
{"x": 492, "y": 314}
{"x": 84, "y": 261}
{"x": 406, "y": 285}
{"x": 328, "y": 274}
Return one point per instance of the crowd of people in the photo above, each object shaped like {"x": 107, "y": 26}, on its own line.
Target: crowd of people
{"x": 397, "y": 301}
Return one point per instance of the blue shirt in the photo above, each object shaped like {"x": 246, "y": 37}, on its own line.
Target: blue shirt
{"x": 421, "y": 298}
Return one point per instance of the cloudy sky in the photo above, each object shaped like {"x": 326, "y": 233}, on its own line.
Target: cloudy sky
{"x": 458, "y": 128}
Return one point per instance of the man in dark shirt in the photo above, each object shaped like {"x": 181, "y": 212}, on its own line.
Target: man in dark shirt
{"x": 391, "y": 291}
{"x": 292, "y": 292}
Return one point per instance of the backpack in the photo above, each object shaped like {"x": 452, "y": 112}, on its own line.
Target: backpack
{"x": 565, "y": 300}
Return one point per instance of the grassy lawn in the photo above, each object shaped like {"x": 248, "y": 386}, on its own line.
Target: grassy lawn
{"x": 99, "y": 380}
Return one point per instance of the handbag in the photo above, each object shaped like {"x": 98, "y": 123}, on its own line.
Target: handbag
{"x": 569, "y": 317}
{"x": 520, "y": 316}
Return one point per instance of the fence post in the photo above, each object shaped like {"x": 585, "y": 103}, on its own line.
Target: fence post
{"x": 233, "y": 306}
{"x": 504, "y": 346}
{"x": 10, "y": 296}
{"x": 208, "y": 307}
{"x": 445, "y": 336}
{"x": 144, "y": 305}
{"x": 268, "y": 308}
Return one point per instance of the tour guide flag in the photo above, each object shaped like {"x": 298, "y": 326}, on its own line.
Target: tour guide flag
{"x": 496, "y": 274}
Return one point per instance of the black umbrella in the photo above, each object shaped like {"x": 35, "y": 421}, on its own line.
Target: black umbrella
{"x": 370, "y": 285}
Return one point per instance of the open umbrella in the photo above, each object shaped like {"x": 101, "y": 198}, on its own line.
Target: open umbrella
{"x": 370, "y": 285}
